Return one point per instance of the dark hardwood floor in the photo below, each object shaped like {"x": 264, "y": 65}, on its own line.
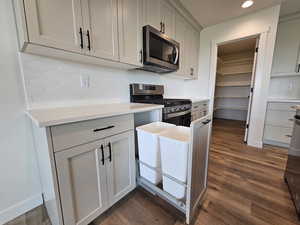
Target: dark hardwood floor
{"x": 245, "y": 187}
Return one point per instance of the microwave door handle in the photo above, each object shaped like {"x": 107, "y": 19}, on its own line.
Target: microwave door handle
{"x": 177, "y": 55}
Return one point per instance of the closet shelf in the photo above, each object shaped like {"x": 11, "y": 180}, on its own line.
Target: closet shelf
{"x": 240, "y": 108}
{"x": 275, "y": 75}
{"x": 232, "y": 97}
{"x": 233, "y": 84}
{"x": 233, "y": 73}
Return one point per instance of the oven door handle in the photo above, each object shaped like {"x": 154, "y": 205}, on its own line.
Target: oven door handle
{"x": 172, "y": 115}
{"x": 177, "y": 55}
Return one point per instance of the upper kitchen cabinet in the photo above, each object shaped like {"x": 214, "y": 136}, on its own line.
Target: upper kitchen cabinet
{"x": 160, "y": 15}
{"x": 167, "y": 18}
{"x": 151, "y": 11}
{"x": 286, "y": 56}
{"x": 180, "y": 30}
{"x": 104, "y": 32}
{"x": 130, "y": 31}
{"x": 55, "y": 23}
{"x": 101, "y": 28}
{"x": 195, "y": 53}
{"x": 191, "y": 52}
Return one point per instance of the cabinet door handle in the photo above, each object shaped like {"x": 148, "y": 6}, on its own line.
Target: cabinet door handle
{"x": 109, "y": 148}
{"x": 164, "y": 28}
{"x": 81, "y": 37}
{"x": 102, "y": 152}
{"x": 89, "y": 40}
{"x": 104, "y": 128}
{"x": 161, "y": 27}
{"x": 288, "y": 135}
{"x": 192, "y": 72}
{"x": 206, "y": 122}
{"x": 292, "y": 120}
{"x": 298, "y": 68}
{"x": 141, "y": 56}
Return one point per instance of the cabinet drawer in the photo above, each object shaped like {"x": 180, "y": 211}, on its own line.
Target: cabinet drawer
{"x": 200, "y": 105}
{"x": 280, "y": 118}
{"x": 69, "y": 135}
{"x": 278, "y": 134}
{"x": 283, "y": 106}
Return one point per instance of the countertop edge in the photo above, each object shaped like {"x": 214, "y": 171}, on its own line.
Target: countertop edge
{"x": 85, "y": 118}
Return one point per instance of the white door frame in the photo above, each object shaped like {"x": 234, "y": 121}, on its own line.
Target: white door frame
{"x": 253, "y": 73}
{"x": 262, "y": 80}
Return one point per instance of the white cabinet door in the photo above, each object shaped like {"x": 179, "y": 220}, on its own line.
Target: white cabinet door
{"x": 152, "y": 13}
{"x": 54, "y": 23}
{"x": 101, "y": 28}
{"x": 195, "y": 52}
{"x": 180, "y": 29}
{"x": 167, "y": 13}
{"x": 188, "y": 47}
{"x": 287, "y": 47}
{"x": 191, "y": 47}
{"x": 82, "y": 183}
{"x": 120, "y": 166}
{"x": 130, "y": 31}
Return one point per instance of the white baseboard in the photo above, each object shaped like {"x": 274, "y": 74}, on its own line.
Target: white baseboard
{"x": 256, "y": 144}
{"x": 276, "y": 143}
{"x": 20, "y": 208}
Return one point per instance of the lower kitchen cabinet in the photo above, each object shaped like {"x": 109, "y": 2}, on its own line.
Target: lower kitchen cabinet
{"x": 279, "y": 123}
{"x": 199, "y": 109}
{"x": 120, "y": 166}
{"x": 92, "y": 177}
{"x": 82, "y": 183}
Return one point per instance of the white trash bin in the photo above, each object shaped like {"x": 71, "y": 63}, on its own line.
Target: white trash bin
{"x": 149, "y": 153}
{"x": 174, "y": 148}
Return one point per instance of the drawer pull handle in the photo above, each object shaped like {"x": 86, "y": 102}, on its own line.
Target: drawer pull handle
{"x": 288, "y": 135}
{"x": 294, "y": 107}
{"x": 102, "y": 152}
{"x": 104, "y": 128}
{"x": 109, "y": 148}
{"x": 291, "y": 120}
{"x": 206, "y": 122}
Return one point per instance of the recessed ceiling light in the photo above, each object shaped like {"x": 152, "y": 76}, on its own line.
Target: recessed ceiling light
{"x": 247, "y": 4}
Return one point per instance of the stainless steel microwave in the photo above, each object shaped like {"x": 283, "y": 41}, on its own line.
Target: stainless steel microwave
{"x": 161, "y": 54}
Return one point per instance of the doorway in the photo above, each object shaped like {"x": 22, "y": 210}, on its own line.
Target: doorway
{"x": 234, "y": 87}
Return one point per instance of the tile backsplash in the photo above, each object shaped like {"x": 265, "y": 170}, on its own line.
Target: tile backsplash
{"x": 51, "y": 82}
{"x": 285, "y": 87}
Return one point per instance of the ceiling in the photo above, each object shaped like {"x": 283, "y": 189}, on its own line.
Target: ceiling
{"x": 237, "y": 46}
{"x": 290, "y": 7}
{"x": 210, "y": 12}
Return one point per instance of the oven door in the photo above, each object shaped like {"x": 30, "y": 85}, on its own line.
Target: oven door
{"x": 178, "y": 118}
{"x": 160, "y": 50}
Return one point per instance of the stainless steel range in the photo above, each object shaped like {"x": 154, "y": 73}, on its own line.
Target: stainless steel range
{"x": 176, "y": 111}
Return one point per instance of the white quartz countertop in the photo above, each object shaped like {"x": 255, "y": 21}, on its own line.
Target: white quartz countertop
{"x": 193, "y": 99}
{"x": 55, "y": 116}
